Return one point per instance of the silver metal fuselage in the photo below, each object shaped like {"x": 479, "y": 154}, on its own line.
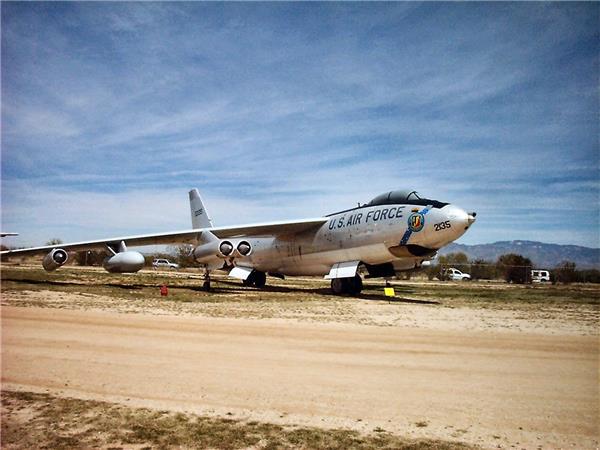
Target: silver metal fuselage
{"x": 373, "y": 235}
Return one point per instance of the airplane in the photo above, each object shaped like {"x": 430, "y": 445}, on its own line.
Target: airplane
{"x": 396, "y": 231}
{"x": 3, "y": 234}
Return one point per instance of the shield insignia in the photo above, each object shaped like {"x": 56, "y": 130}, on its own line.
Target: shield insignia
{"x": 416, "y": 222}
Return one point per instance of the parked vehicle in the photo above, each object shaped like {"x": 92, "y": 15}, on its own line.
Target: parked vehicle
{"x": 540, "y": 276}
{"x": 455, "y": 275}
{"x": 164, "y": 263}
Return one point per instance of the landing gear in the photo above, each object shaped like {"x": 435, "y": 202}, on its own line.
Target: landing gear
{"x": 206, "y": 284}
{"x": 260, "y": 279}
{"x": 350, "y": 286}
{"x": 257, "y": 279}
{"x": 338, "y": 286}
{"x": 355, "y": 285}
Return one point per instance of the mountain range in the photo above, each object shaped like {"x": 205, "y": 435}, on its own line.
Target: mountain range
{"x": 542, "y": 255}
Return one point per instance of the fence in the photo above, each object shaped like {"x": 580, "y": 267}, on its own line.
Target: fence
{"x": 514, "y": 273}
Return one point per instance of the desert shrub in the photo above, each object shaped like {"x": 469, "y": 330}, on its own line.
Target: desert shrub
{"x": 515, "y": 268}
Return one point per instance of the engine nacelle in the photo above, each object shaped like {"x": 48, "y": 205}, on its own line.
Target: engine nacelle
{"x": 244, "y": 248}
{"x": 225, "y": 249}
{"x": 56, "y": 258}
{"x": 124, "y": 262}
{"x": 206, "y": 253}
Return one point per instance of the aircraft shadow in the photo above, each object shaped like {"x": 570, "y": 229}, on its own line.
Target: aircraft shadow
{"x": 233, "y": 287}
{"x": 325, "y": 291}
{"x": 399, "y": 299}
{"x": 75, "y": 283}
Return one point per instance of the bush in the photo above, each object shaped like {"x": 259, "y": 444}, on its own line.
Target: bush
{"x": 483, "y": 270}
{"x": 515, "y": 268}
{"x": 588, "y": 276}
{"x": 565, "y": 272}
{"x": 90, "y": 258}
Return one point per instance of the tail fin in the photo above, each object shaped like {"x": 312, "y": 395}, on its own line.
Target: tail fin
{"x": 200, "y": 218}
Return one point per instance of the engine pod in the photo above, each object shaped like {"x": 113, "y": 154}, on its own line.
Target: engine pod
{"x": 225, "y": 248}
{"x": 244, "y": 248}
{"x": 56, "y": 258}
{"x": 124, "y": 262}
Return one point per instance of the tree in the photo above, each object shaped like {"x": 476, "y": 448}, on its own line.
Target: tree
{"x": 54, "y": 241}
{"x": 482, "y": 270}
{"x": 183, "y": 255}
{"x": 4, "y": 258}
{"x": 90, "y": 257}
{"x": 455, "y": 259}
{"x": 565, "y": 272}
{"x": 588, "y": 276}
{"x": 516, "y": 268}
{"x": 432, "y": 271}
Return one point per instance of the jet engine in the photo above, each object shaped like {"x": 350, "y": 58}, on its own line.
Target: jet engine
{"x": 56, "y": 258}
{"x": 244, "y": 248}
{"x": 222, "y": 249}
{"x": 124, "y": 262}
{"x": 225, "y": 248}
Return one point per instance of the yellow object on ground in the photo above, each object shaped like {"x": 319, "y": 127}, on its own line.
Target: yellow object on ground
{"x": 389, "y": 291}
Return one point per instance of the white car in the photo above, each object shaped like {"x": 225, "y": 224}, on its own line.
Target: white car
{"x": 158, "y": 263}
{"x": 540, "y": 276}
{"x": 455, "y": 275}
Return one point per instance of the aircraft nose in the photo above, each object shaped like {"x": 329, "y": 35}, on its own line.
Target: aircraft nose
{"x": 460, "y": 219}
{"x": 471, "y": 217}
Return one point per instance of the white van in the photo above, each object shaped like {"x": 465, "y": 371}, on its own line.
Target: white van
{"x": 540, "y": 276}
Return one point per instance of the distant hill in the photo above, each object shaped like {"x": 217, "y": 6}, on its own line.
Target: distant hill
{"x": 542, "y": 255}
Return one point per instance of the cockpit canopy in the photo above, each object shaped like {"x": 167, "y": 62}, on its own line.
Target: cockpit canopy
{"x": 404, "y": 197}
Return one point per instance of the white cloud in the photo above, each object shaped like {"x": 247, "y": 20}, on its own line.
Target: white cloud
{"x": 284, "y": 111}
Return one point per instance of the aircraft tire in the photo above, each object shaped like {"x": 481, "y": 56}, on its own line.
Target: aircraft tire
{"x": 338, "y": 286}
{"x": 259, "y": 279}
{"x": 354, "y": 285}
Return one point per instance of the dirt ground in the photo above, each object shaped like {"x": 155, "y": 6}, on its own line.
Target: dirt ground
{"x": 485, "y": 364}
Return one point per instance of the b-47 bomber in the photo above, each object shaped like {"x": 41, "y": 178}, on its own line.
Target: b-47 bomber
{"x": 396, "y": 231}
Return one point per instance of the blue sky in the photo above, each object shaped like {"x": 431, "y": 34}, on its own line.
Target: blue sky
{"x": 111, "y": 112}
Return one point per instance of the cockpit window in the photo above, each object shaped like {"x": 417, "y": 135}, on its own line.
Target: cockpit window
{"x": 404, "y": 197}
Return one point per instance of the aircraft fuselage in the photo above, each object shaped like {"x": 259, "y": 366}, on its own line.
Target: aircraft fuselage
{"x": 373, "y": 235}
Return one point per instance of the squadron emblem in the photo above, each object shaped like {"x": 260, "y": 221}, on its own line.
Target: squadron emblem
{"x": 416, "y": 222}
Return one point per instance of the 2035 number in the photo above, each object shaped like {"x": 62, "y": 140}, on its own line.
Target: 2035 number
{"x": 442, "y": 225}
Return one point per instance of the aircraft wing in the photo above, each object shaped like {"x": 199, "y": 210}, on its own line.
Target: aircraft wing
{"x": 268, "y": 229}
{"x": 182, "y": 237}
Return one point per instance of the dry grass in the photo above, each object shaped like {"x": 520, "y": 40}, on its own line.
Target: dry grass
{"x": 306, "y": 299}
{"x": 43, "y": 421}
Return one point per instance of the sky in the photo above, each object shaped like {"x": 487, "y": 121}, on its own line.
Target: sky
{"x": 111, "y": 112}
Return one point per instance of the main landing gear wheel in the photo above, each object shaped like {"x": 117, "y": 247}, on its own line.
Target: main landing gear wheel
{"x": 350, "y": 286}
{"x": 257, "y": 279}
{"x": 260, "y": 279}
{"x": 337, "y": 286}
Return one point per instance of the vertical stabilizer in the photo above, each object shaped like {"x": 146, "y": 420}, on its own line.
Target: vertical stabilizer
{"x": 200, "y": 218}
